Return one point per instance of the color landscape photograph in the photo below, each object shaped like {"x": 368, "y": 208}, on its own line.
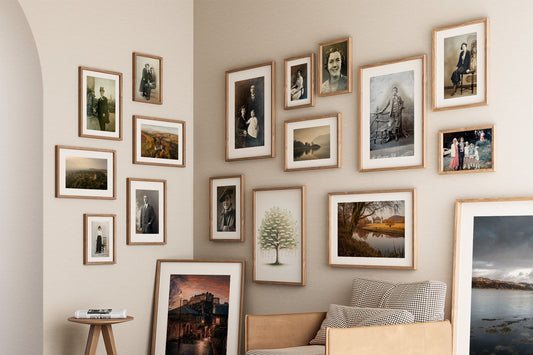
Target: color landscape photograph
{"x": 86, "y": 173}
{"x": 311, "y": 143}
{"x": 159, "y": 142}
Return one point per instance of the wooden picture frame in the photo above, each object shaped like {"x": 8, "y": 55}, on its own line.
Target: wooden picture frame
{"x": 279, "y": 248}
{"x": 313, "y": 143}
{"x": 99, "y": 103}
{"x": 461, "y": 65}
{"x": 299, "y": 87}
{"x": 147, "y": 211}
{"x": 389, "y": 214}
{"x": 158, "y": 141}
{"x": 99, "y": 239}
{"x": 214, "y": 289}
{"x": 251, "y": 89}
{"x": 226, "y": 208}
{"x": 392, "y": 115}
{"x": 85, "y": 173}
{"x": 492, "y": 284}
{"x": 335, "y": 61}
{"x": 456, "y": 158}
{"x": 147, "y": 83}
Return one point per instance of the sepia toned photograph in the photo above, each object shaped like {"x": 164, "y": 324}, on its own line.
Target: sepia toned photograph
{"x": 335, "y": 67}
{"x": 226, "y": 208}
{"x": 99, "y": 236}
{"x": 147, "y": 78}
{"x": 146, "y": 202}
{"x": 300, "y": 81}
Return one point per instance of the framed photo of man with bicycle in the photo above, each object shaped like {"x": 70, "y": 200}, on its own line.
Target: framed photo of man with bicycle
{"x": 392, "y": 115}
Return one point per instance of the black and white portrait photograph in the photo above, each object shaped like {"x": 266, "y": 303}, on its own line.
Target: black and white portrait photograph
{"x": 249, "y": 118}
{"x": 147, "y": 203}
{"x": 146, "y": 211}
{"x": 226, "y": 211}
{"x": 147, "y": 78}
{"x": 99, "y": 239}
{"x": 299, "y": 81}
{"x": 335, "y": 67}
{"x": 226, "y": 208}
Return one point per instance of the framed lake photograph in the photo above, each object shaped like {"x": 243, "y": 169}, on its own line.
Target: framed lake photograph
{"x": 279, "y": 235}
{"x": 198, "y": 307}
{"x": 467, "y": 150}
{"x": 99, "y": 104}
{"x": 373, "y": 229}
{"x": 313, "y": 143}
{"x": 492, "y": 296}
{"x": 158, "y": 141}
{"x": 147, "y": 211}
{"x": 299, "y": 85}
{"x": 147, "y": 78}
{"x": 226, "y": 208}
{"x": 460, "y": 65}
{"x": 99, "y": 239}
{"x": 85, "y": 173}
{"x": 335, "y": 67}
{"x": 250, "y": 112}
{"x": 392, "y": 115}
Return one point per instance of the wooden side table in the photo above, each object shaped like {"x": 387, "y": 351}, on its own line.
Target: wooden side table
{"x": 98, "y": 325}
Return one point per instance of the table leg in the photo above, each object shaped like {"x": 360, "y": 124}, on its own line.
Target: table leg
{"x": 109, "y": 340}
{"x": 92, "y": 339}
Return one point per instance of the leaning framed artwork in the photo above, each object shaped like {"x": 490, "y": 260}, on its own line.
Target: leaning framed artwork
{"x": 226, "y": 208}
{"x": 250, "y": 112}
{"x": 198, "y": 307}
{"x": 99, "y": 239}
{"x": 85, "y": 173}
{"x": 313, "y": 143}
{"x": 158, "y": 141}
{"x": 147, "y": 211}
{"x": 373, "y": 229}
{"x": 392, "y": 115}
{"x": 299, "y": 85}
{"x": 461, "y": 65}
{"x": 279, "y": 235}
{"x": 492, "y": 296}
{"x": 147, "y": 78}
{"x": 99, "y": 104}
{"x": 335, "y": 67}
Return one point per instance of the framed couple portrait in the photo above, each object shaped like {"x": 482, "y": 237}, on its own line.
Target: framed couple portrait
{"x": 226, "y": 208}
{"x": 99, "y": 239}
{"x": 147, "y": 78}
{"x": 299, "y": 84}
{"x": 335, "y": 67}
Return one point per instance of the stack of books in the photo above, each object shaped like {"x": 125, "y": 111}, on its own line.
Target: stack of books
{"x": 101, "y": 313}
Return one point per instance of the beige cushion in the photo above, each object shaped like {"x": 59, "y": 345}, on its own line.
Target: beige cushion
{"x": 297, "y": 350}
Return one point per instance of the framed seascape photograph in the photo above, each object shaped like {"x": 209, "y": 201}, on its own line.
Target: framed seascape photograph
{"x": 99, "y": 104}
{"x": 99, "y": 239}
{"x": 392, "y": 115}
{"x": 250, "y": 112}
{"x": 147, "y": 78}
{"x": 373, "y": 229}
{"x": 299, "y": 85}
{"x": 466, "y": 150}
{"x": 492, "y": 297}
{"x": 147, "y": 211}
{"x": 226, "y": 208}
{"x": 335, "y": 67}
{"x": 198, "y": 307}
{"x": 158, "y": 141}
{"x": 460, "y": 65}
{"x": 313, "y": 143}
{"x": 279, "y": 235}
{"x": 85, "y": 173}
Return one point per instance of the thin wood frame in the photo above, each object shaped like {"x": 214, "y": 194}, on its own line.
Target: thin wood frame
{"x": 310, "y": 87}
{"x": 303, "y": 247}
{"x": 322, "y": 65}
{"x": 240, "y": 212}
{"x": 135, "y": 85}
{"x": 86, "y": 239}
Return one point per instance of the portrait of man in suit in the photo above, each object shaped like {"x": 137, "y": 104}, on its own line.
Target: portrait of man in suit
{"x": 147, "y": 212}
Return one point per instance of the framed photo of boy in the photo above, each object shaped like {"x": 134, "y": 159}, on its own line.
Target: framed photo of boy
{"x": 250, "y": 112}
{"x": 279, "y": 235}
{"x": 299, "y": 85}
{"x": 392, "y": 110}
{"x": 85, "y": 173}
{"x": 460, "y": 65}
{"x": 313, "y": 143}
{"x": 147, "y": 211}
{"x": 226, "y": 208}
{"x": 147, "y": 78}
{"x": 158, "y": 141}
{"x": 467, "y": 150}
{"x": 99, "y": 239}
{"x": 99, "y": 104}
{"x": 335, "y": 67}
{"x": 373, "y": 229}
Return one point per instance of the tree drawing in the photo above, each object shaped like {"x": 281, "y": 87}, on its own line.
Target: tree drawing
{"x": 277, "y": 231}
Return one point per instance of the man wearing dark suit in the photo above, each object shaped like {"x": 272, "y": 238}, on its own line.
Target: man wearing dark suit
{"x": 147, "y": 217}
{"x": 463, "y": 66}
{"x": 146, "y": 82}
{"x": 103, "y": 109}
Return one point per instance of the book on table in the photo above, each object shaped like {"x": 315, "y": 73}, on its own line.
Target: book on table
{"x": 100, "y": 313}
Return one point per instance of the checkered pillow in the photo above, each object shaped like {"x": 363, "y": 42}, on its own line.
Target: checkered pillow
{"x": 348, "y": 317}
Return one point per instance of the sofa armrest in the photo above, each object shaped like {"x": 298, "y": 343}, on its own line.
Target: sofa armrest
{"x": 415, "y": 339}
{"x": 280, "y": 330}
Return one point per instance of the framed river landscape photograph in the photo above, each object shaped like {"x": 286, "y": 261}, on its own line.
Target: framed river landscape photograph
{"x": 492, "y": 297}
{"x": 373, "y": 229}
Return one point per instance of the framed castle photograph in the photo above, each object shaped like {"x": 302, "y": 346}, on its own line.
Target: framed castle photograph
{"x": 147, "y": 78}
{"x": 299, "y": 84}
{"x": 335, "y": 67}
{"x": 147, "y": 211}
{"x": 99, "y": 239}
{"x": 226, "y": 208}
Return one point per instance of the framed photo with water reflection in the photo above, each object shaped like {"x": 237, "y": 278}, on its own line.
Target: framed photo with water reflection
{"x": 373, "y": 229}
{"x": 492, "y": 297}
{"x": 313, "y": 143}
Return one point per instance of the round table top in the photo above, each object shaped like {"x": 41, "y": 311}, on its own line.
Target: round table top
{"x": 100, "y": 321}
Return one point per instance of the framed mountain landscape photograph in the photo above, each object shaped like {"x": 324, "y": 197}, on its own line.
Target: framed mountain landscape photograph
{"x": 373, "y": 229}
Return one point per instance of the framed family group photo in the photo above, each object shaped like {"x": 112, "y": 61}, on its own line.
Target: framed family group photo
{"x": 300, "y": 81}
{"x": 147, "y": 78}
{"x": 335, "y": 67}
{"x": 373, "y": 229}
{"x": 460, "y": 65}
{"x": 99, "y": 239}
{"x": 226, "y": 208}
{"x": 392, "y": 111}
{"x": 147, "y": 211}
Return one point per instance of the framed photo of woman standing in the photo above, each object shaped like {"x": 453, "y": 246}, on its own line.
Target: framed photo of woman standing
{"x": 335, "y": 67}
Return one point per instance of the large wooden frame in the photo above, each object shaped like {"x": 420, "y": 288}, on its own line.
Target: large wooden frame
{"x": 139, "y": 61}
{"x": 233, "y": 187}
{"x": 90, "y": 243}
{"x": 299, "y": 95}
{"x": 343, "y": 47}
